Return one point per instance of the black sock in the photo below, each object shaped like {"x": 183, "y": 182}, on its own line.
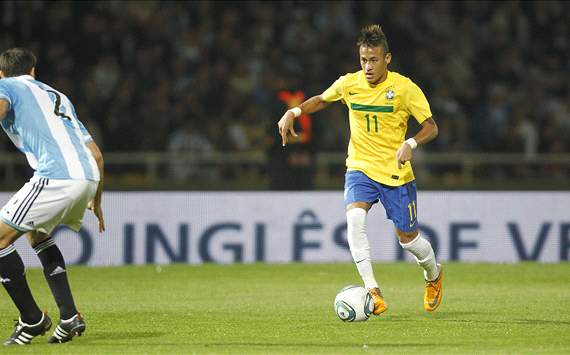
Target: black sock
{"x": 56, "y": 276}
{"x": 14, "y": 281}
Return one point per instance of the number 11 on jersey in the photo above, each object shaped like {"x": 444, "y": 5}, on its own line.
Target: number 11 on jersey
{"x": 375, "y": 118}
{"x": 413, "y": 212}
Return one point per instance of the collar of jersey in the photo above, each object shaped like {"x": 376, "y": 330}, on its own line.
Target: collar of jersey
{"x": 26, "y": 76}
{"x": 382, "y": 85}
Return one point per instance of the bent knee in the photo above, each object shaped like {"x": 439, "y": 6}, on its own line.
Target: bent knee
{"x": 364, "y": 205}
{"x": 35, "y": 238}
{"x": 8, "y": 235}
{"x": 405, "y": 237}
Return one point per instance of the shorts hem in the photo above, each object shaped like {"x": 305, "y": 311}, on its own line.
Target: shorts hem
{"x": 407, "y": 230}
{"x": 15, "y": 226}
{"x": 373, "y": 202}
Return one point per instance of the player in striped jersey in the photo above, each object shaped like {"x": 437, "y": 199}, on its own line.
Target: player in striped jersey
{"x": 68, "y": 178}
{"x": 380, "y": 102}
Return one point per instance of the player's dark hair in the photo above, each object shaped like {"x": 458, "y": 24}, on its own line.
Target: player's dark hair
{"x": 372, "y": 36}
{"x": 17, "y": 61}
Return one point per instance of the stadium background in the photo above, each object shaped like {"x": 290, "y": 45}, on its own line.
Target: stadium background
{"x": 184, "y": 97}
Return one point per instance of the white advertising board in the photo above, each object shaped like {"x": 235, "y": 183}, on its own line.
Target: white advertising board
{"x": 282, "y": 227}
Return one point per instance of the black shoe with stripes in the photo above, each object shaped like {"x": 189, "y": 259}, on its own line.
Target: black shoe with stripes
{"x": 66, "y": 330}
{"x": 24, "y": 333}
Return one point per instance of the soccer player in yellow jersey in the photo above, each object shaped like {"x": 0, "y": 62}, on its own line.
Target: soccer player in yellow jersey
{"x": 380, "y": 102}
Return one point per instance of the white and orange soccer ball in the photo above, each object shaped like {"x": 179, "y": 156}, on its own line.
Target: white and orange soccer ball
{"x": 353, "y": 304}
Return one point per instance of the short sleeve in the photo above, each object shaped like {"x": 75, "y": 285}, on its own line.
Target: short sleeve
{"x": 417, "y": 104}
{"x": 5, "y": 93}
{"x": 86, "y": 136}
{"x": 335, "y": 92}
{"x": 84, "y": 132}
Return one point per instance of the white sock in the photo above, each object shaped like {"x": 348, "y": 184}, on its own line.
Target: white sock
{"x": 421, "y": 249}
{"x": 359, "y": 247}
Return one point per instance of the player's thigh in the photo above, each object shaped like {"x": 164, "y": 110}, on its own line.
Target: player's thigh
{"x": 402, "y": 207}
{"x": 8, "y": 235}
{"x": 14, "y": 212}
{"x": 359, "y": 190}
{"x": 41, "y": 204}
{"x": 14, "y": 209}
{"x": 82, "y": 195}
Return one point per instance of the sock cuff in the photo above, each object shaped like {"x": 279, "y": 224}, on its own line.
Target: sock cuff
{"x": 356, "y": 212}
{"x": 411, "y": 244}
{"x": 70, "y": 319}
{"x": 8, "y": 250}
{"x": 33, "y": 325}
{"x": 44, "y": 245}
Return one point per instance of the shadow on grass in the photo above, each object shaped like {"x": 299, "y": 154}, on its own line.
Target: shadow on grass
{"x": 331, "y": 345}
{"x": 290, "y": 345}
{"x": 509, "y": 321}
{"x": 109, "y": 335}
{"x": 480, "y": 317}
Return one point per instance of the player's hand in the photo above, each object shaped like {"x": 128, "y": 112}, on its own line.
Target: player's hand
{"x": 96, "y": 208}
{"x": 403, "y": 154}
{"x": 285, "y": 125}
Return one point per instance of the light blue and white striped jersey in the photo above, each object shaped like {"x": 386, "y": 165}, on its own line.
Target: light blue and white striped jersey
{"x": 43, "y": 124}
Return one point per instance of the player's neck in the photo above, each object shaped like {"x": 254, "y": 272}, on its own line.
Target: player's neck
{"x": 381, "y": 80}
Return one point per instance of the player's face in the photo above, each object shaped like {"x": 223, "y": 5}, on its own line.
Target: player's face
{"x": 374, "y": 63}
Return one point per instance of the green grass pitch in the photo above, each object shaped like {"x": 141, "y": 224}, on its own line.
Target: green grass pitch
{"x": 287, "y": 309}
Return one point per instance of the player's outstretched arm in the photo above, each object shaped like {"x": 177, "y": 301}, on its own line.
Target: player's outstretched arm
{"x": 95, "y": 206}
{"x": 285, "y": 124}
{"x": 427, "y": 133}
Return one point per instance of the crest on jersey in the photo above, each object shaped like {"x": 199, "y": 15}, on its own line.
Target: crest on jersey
{"x": 390, "y": 94}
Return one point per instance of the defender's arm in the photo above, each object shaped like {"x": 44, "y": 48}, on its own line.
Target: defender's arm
{"x": 96, "y": 204}
{"x": 4, "y": 108}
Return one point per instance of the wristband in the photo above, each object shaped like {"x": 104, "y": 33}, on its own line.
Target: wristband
{"x": 412, "y": 143}
{"x": 296, "y": 111}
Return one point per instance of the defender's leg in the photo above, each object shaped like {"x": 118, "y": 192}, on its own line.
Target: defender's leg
{"x": 32, "y": 322}
{"x": 71, "y": 323}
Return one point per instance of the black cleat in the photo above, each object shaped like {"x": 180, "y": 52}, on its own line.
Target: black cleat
{"x": 24, "y": 333}
{"x": 66, "y": 330}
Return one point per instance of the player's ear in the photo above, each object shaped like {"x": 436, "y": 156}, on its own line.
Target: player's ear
{"x": 388, "y": 57}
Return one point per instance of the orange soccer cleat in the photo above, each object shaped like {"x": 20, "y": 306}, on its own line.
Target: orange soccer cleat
{"x": 380, "y": 305}
{"x": 433, "y": 292}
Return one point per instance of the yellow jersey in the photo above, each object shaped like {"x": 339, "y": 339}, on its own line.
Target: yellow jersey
{"x": 378, "y": 117}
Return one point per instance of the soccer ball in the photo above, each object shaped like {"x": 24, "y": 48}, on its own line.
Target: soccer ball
{"x": 353, "y": 304}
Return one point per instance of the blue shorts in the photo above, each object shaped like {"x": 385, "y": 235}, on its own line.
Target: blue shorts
{"x": 400, "y": 202}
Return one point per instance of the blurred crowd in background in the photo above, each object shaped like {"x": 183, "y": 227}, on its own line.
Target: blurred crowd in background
{"x": 203, "y": 76}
